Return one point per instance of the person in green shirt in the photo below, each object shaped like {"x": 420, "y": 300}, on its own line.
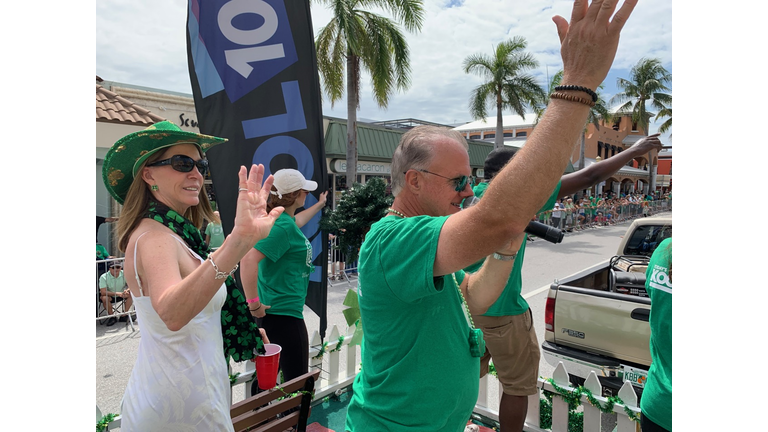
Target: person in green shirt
{"x": 508, "y": 325}
{"x": 420, "y": 349}
{"x": 420, "y": 359}
{"x": 101, "y": 267}
{"x": 113, "y": 289}
{"x": 275, "y": 273}
{"x": 214, "y": 232}
{"x": 656, "y": 403}
{"x": 101, "y": 252}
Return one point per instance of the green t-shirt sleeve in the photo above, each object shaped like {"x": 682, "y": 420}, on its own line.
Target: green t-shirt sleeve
{"x": 103, "y": 281}
{"x": 552, "y": 198}
{"x": 408, "y": 251}
{"x": 101, "y": 252}
{"x": 275, "y": 245}
{"x": 548, "y": 205}
{"x": 208, "y": 229}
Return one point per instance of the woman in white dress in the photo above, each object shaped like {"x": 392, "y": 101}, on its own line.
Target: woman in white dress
{"x": 186, "y": 300}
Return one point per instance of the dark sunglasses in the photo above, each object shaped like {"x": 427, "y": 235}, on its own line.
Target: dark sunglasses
{"x": 182, "y": 163}
{"x": 459, "y": 182}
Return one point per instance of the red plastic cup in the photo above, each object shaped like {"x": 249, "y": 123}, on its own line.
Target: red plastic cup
{"x": 267, "y": 366}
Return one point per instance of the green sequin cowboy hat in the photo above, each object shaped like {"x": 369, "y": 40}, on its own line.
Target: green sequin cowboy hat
{"x": 122, "y": 162}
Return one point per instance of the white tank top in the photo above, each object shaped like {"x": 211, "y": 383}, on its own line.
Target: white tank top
{"x": 180, "y": 379}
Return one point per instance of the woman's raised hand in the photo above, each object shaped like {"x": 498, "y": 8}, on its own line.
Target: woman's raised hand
{"x": 251, "y": 218}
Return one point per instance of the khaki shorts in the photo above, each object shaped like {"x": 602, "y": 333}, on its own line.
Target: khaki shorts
{"x": 511, "y": 342}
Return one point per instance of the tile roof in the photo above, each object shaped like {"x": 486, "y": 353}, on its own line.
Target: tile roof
{"x": 114, "y": 108}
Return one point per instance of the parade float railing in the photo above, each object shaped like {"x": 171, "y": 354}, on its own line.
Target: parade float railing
{"x": 336, "y": 359}
{"x": 563, "y": 407}
{"x": 339, "y": 363}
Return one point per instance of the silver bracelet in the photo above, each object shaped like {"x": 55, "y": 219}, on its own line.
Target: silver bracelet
{"x": 220, "y": 274}
{"x": 501, "y": 257}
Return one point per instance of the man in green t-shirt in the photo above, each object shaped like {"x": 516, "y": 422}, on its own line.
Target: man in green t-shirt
{"x": 420, "y": 352}
{"x": 508, "y": 325}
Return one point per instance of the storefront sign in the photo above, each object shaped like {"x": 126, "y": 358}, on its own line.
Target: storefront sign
{"x": 340, "y": 166}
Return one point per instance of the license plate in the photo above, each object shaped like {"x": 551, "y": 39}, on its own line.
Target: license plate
{"x": 635, "y": 376}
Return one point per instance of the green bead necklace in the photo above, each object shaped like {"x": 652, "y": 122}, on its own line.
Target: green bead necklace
{"x": 476, "y": 340}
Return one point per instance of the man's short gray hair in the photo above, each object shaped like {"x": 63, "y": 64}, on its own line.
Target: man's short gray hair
{"x": 415, "y": 151}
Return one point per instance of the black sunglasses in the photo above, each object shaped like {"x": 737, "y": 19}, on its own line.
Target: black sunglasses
{"x": 183, "y": 163}
{"x": 459, "y": 182}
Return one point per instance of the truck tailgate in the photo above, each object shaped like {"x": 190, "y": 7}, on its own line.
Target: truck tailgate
{"x": 604, "y": 323}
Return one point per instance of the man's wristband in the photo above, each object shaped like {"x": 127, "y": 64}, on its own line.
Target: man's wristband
{"x": 586, "y": 90}
{"x": 253, "y": 300}
{"x": 254, "y": 310}
{"x": 501, "y": 257}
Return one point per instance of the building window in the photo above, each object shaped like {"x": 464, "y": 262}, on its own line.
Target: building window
{"x": 474, "y": 137}
{"x": 493, "y": 135}
{"x": 616, "y": 124}
{"x": 613, "y": 150}
{"x": 522, "y": 134}
{"x": 634, "y": 126}
{"x": 508, "y": 135}
{"x": 600, "y": 149}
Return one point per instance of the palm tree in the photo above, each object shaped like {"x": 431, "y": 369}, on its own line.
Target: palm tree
{"x": 667, "y": 125}
{"x": 355, "y": 37}
{"x": 647, "y": 82}
{"x": 506, "y": 85}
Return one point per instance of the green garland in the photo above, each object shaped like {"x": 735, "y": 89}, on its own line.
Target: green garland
{"x": 102, "y": 424}
{"x": 573, "y": 398}
{"x": 575, "y": 419}
{"x": 325, "y": 345}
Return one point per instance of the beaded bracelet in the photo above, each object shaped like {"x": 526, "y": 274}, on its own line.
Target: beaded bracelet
{"x": 586, "y": 90}
{"x": 253, "y": 300}
{"x": 572, "y": 98}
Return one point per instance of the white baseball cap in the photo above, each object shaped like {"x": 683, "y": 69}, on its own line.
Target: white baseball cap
{"x": 290, "y": 180}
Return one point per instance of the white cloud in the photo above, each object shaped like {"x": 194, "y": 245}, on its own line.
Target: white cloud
{"x": 143, "y": 42}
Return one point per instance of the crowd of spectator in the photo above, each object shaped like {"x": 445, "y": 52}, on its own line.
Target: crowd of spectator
{"x": 572, "y": 214}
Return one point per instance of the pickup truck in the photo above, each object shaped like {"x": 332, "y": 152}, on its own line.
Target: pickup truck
{"x": 597, "y": 319}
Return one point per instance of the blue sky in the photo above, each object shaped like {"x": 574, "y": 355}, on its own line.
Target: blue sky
{"x": 153, "y": 52}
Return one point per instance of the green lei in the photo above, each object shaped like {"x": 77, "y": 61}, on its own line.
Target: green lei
{"x": 238, "y": 327}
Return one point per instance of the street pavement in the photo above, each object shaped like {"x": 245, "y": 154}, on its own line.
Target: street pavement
{"x": 117, "y": 346}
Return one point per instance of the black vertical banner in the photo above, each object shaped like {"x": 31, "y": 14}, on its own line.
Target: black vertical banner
{"x": 254, "y": 80}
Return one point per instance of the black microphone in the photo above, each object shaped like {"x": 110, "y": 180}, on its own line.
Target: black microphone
{"x": 548, "y": 233}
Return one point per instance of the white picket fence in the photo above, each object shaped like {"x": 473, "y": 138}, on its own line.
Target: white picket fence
{"x": 339, "y": 365}
{"x": 592, "y": 415}
{"x": 337, "y": 375}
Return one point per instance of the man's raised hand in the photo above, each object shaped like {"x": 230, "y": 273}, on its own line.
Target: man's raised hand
{"x": 589, "y": 42}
